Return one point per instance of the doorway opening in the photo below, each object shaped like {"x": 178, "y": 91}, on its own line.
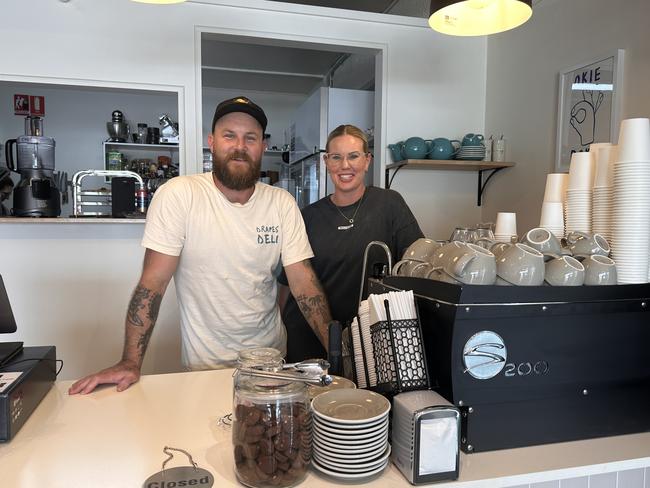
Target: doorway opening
{"x": 306, "y": 89}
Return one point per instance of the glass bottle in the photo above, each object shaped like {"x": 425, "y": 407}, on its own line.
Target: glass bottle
{"x": 271, "y": 432}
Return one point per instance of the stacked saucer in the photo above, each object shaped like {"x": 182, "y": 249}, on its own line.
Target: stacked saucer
{"x": 350, "y": 440}
{"x": 471, "y": 153}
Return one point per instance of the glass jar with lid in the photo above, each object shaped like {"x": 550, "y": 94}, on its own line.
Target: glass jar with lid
{"x": 271, "y": 431}
{"x": 267, "y": 358}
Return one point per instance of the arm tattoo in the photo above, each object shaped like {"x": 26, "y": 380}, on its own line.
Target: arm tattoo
{"x": 143, "y": 298}
{"x": 312, "y": 307}
{"x": 143, "y": 341}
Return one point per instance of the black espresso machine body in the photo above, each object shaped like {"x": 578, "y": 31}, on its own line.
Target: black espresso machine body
{"x": 536, "y": 365}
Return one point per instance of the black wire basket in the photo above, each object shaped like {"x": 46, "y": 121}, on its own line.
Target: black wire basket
{"x": 398, "y": 352}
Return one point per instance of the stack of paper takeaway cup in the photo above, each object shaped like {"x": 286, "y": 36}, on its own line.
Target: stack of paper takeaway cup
{"x": 505, "y": 228}
{"x": 552, "y": 217}
{"x": 578, "y": 193}
{"x": 604, "y": 155}
{"x": 631, "y": 202}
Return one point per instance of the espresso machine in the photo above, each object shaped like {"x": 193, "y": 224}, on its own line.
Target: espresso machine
{"x": 37, "y": 194}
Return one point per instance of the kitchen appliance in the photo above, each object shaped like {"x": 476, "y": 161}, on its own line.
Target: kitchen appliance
{"x": 37, "y": 193}
{"x": 426, "y": 437}
{"x": 99, "y": 203}
{"x": 169, "y": 131}
{"x": 24, "y": 382}
{"x": 536, "y": 365}
{"x": 118, "y": 129}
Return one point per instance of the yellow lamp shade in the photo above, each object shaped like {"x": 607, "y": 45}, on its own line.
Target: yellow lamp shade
{"x": 478, "y": 17}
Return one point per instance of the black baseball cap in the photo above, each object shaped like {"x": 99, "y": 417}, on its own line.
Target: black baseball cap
{"x": 240, "y": 104}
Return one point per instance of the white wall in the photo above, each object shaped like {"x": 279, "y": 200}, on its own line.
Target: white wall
{"x": 522, "y": 88}
{"x": 434, "y": 86}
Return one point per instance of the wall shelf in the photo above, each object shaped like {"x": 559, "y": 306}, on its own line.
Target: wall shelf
{"x": 450, "y": 165}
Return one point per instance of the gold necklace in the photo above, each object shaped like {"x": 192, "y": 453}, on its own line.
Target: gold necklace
{"x": 349, "y": 219}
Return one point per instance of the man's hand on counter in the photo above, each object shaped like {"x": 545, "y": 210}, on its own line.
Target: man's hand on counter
{"x": 123, "y": 374}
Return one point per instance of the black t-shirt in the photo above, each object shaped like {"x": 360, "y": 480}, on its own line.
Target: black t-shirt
{"x": 338, "y": 257}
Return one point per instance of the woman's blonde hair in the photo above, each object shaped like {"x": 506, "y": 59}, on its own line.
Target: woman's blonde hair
{"x": 350, "y": 130}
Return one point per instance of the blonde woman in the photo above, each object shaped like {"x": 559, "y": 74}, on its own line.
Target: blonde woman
{"x": 339, "y": 227}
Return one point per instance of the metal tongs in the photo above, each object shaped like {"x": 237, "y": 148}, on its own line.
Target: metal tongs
{"x": 311, "y": 372}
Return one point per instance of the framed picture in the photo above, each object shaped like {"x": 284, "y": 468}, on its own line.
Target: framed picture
{"x": 588, "y": 106}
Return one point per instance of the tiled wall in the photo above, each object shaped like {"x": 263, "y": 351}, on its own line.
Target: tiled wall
{"x": 633, "y": 478}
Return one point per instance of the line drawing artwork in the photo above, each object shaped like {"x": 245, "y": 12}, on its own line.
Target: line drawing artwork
{"x": 583, "y": 116}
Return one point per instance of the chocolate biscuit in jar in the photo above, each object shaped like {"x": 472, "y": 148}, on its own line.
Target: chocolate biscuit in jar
{"x": 271, "y": 432}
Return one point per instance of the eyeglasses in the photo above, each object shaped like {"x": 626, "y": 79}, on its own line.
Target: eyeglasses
{"x": 353, "y": 158}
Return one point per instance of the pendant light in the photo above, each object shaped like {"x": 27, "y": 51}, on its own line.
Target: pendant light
{"x": 478, "y": 17}
{"x": 160, "y": 2}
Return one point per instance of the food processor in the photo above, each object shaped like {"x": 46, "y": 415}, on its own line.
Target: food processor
{"x": 38, "y": 193}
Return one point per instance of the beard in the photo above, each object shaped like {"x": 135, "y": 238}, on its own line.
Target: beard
{"x": 241, "y": 178}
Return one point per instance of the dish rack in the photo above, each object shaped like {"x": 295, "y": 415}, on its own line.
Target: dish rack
{"x": 397, "y": 350}
{"x": 99, "y": 201}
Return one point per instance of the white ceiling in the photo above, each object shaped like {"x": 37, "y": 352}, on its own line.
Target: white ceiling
{"x": 276, "y": 66}
{"x": 244, "y": 64}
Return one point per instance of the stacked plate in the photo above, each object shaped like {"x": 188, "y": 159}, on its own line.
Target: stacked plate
{"x": 631, "y": 220}
{"x": 350, "y": 441}
{"x": 471, "y": 153}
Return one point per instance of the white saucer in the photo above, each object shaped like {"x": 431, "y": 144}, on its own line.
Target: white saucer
{"x": 350, "y": 406}
{"x": 349, "y": 476}
{"x": 350, "y": 442}
{"x": 333, "y": 429}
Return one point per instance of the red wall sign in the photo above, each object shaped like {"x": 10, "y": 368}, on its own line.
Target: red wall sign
{"x": 21, "y": 104}
{"x": 36, "y": 105}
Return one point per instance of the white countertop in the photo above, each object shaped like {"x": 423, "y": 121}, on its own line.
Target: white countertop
{"x": 68, "y": 220}
{"x": 110, "y": 439}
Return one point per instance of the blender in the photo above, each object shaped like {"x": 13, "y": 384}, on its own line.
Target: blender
{"x": 37, "y": 193}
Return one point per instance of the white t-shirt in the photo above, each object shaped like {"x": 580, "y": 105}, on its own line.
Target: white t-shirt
{"x": 230, "y": 256}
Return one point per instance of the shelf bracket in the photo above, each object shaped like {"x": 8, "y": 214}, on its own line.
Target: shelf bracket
{"x": 482, "y": 184}
{"x": 388, "y": 181}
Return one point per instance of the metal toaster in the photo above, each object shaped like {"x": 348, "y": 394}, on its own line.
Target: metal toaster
{"x": 425, "y": 437}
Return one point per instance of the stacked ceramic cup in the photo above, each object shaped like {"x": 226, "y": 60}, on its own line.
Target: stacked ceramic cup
{"x": 578, "y": 193}
{"x": 472, "y": 148}
{"x": 552, "y": 217}
{"x": 505, "y": 229}
{"x": 631, "y": 202}
{"x": 603, "y": 155}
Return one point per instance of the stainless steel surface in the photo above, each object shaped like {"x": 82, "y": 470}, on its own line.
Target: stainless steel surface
{"x": 77, "y": 193}
{"x": 319, "y": 380}
{"x": 385, "y": 247}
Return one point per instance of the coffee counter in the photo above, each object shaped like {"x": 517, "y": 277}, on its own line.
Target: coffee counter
{"x": 110, "y": 439}
{"x": 69, "y": 220}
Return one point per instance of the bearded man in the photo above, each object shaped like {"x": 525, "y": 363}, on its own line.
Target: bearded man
{"x": 224, "y": 237}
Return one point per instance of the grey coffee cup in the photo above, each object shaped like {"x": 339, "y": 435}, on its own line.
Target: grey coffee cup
{"x": 472, "y": 265}
{"x": 447, "y": 253}
{"x": 564, "y": 271}
{"x": 421, "y": 270}
{"x": 422, "y": 249}
{"x": 439, "y": 274}
{"x": 521, "y": 265}
{"x": 498, "y": 248}
{"x": 405, "y": 267}
{"x": 583, "y": 244}
{"x": 544, "y": 241}
{"x": 600, "y": 270}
